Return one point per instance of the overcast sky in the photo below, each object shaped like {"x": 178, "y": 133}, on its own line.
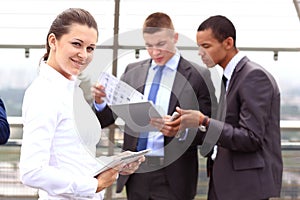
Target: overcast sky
{"x": 262, "y": 23}
{"x": 259, "y": 23}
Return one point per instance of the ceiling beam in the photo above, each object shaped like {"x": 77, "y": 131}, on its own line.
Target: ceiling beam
{"x": 132, "y": 47}
{"x": 297, "y": 6}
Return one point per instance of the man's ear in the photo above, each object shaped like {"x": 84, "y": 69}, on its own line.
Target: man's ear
{"x": 52, "y": 41}
{"x": 228, "y": 43}
{"x": 175, "y": 37}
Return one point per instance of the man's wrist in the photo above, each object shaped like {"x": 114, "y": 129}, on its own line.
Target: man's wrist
{"x": 204, "y": 123}
{"x": 99, "y": 107}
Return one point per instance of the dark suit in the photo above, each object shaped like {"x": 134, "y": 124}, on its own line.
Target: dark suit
{"x": 189, "y": 91}
{"x": 4, "y": 126}
{"x": 248, "y": 165}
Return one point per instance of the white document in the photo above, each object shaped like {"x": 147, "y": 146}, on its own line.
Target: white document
{"x": 129, "y": 104}
{"x": 123, "y": 158}
{"x": 117, "y": 91}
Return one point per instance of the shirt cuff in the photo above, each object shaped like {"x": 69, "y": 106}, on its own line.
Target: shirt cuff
{"x": 183, "y": 135}
{"x": 86, "y": 187}
{"x": 99, "y": 107}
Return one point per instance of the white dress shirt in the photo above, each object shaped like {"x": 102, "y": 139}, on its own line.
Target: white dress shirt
{"x": 229, "y": 69}
{"x": 156, "y": 139}
{"x": 54, "y": 156}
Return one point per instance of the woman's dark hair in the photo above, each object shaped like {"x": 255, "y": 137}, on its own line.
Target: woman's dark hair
{"x": 61, "y": 25}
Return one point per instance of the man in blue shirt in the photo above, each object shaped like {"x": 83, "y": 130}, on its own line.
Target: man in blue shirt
{"x": 170, "y": 171}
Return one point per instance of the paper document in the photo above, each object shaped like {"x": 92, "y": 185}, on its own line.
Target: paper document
{"x": 125, "y": 157}
{"x": 129, "y": 104}
{"x": 117, "y": 91}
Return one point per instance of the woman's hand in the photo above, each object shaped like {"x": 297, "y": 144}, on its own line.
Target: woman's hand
{"x": 107, "y": 178}
{"x": 130, "y": 168}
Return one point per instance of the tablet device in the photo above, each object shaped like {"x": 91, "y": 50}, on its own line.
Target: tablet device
{"x": 137, "y": 115}
{"x": 126, "y": 157}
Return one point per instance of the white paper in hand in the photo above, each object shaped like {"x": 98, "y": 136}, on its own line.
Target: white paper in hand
{"x": 117, "y": 91}
{"x": 126, "y": 157}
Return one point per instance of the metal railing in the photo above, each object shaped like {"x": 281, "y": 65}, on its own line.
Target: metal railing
{"x": 11, "y": 187}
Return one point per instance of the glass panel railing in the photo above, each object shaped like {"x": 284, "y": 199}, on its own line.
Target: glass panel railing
{"x": 12, "y": 188}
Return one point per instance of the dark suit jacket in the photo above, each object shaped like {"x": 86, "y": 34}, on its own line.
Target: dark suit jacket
{"x": 249, "y": 163}
{"x": 4, "y": 126}
{"x": 190, "y": 91}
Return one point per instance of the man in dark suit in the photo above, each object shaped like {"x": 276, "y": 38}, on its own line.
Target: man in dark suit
{"x": 4, "y": 126}
{"x": 245, "y": 162}
{"x": 170, "y": 171}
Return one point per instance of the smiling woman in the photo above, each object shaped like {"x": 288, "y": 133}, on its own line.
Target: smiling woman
{"x": 274, "y": 25}
{"x": 69, "y": 54}
{"x": 52, "y": 152}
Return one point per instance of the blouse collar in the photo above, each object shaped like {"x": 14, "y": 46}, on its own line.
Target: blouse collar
{"x": 57, "y": 78}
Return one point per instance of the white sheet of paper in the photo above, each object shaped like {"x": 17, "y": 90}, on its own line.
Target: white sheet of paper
{"x": 117, "y": 91}
{"x": 126, "y": 157}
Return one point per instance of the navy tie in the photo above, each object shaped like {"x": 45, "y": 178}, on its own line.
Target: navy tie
{"x": 142, "y": 143}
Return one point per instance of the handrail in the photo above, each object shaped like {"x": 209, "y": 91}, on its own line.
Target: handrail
{"x": 290, "y": 125}
{"x": 288, "y": 146}
{"x": 285, "y": 125}
{"x": 41, "y": 46}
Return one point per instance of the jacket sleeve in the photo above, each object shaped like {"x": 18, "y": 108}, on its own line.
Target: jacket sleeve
{"x": 4, "y": 126}
{"x": 106, "y": 117}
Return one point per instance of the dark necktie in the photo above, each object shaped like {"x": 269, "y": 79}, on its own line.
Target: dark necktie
{"x": 224, "y": 79}
{"x": 142, "y": 142}
{"x": 208, "y": 147}
{"x": 220, "y": 114}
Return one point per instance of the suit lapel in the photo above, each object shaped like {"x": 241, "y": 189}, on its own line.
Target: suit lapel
{"x": 237, "y": 69}
{"x": 221, "y": 114}
{"x": 141, "y": 76}
{"x": 182, "y": 76}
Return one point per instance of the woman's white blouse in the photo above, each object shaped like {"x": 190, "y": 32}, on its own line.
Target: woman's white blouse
{"x": 54, "y": 156}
